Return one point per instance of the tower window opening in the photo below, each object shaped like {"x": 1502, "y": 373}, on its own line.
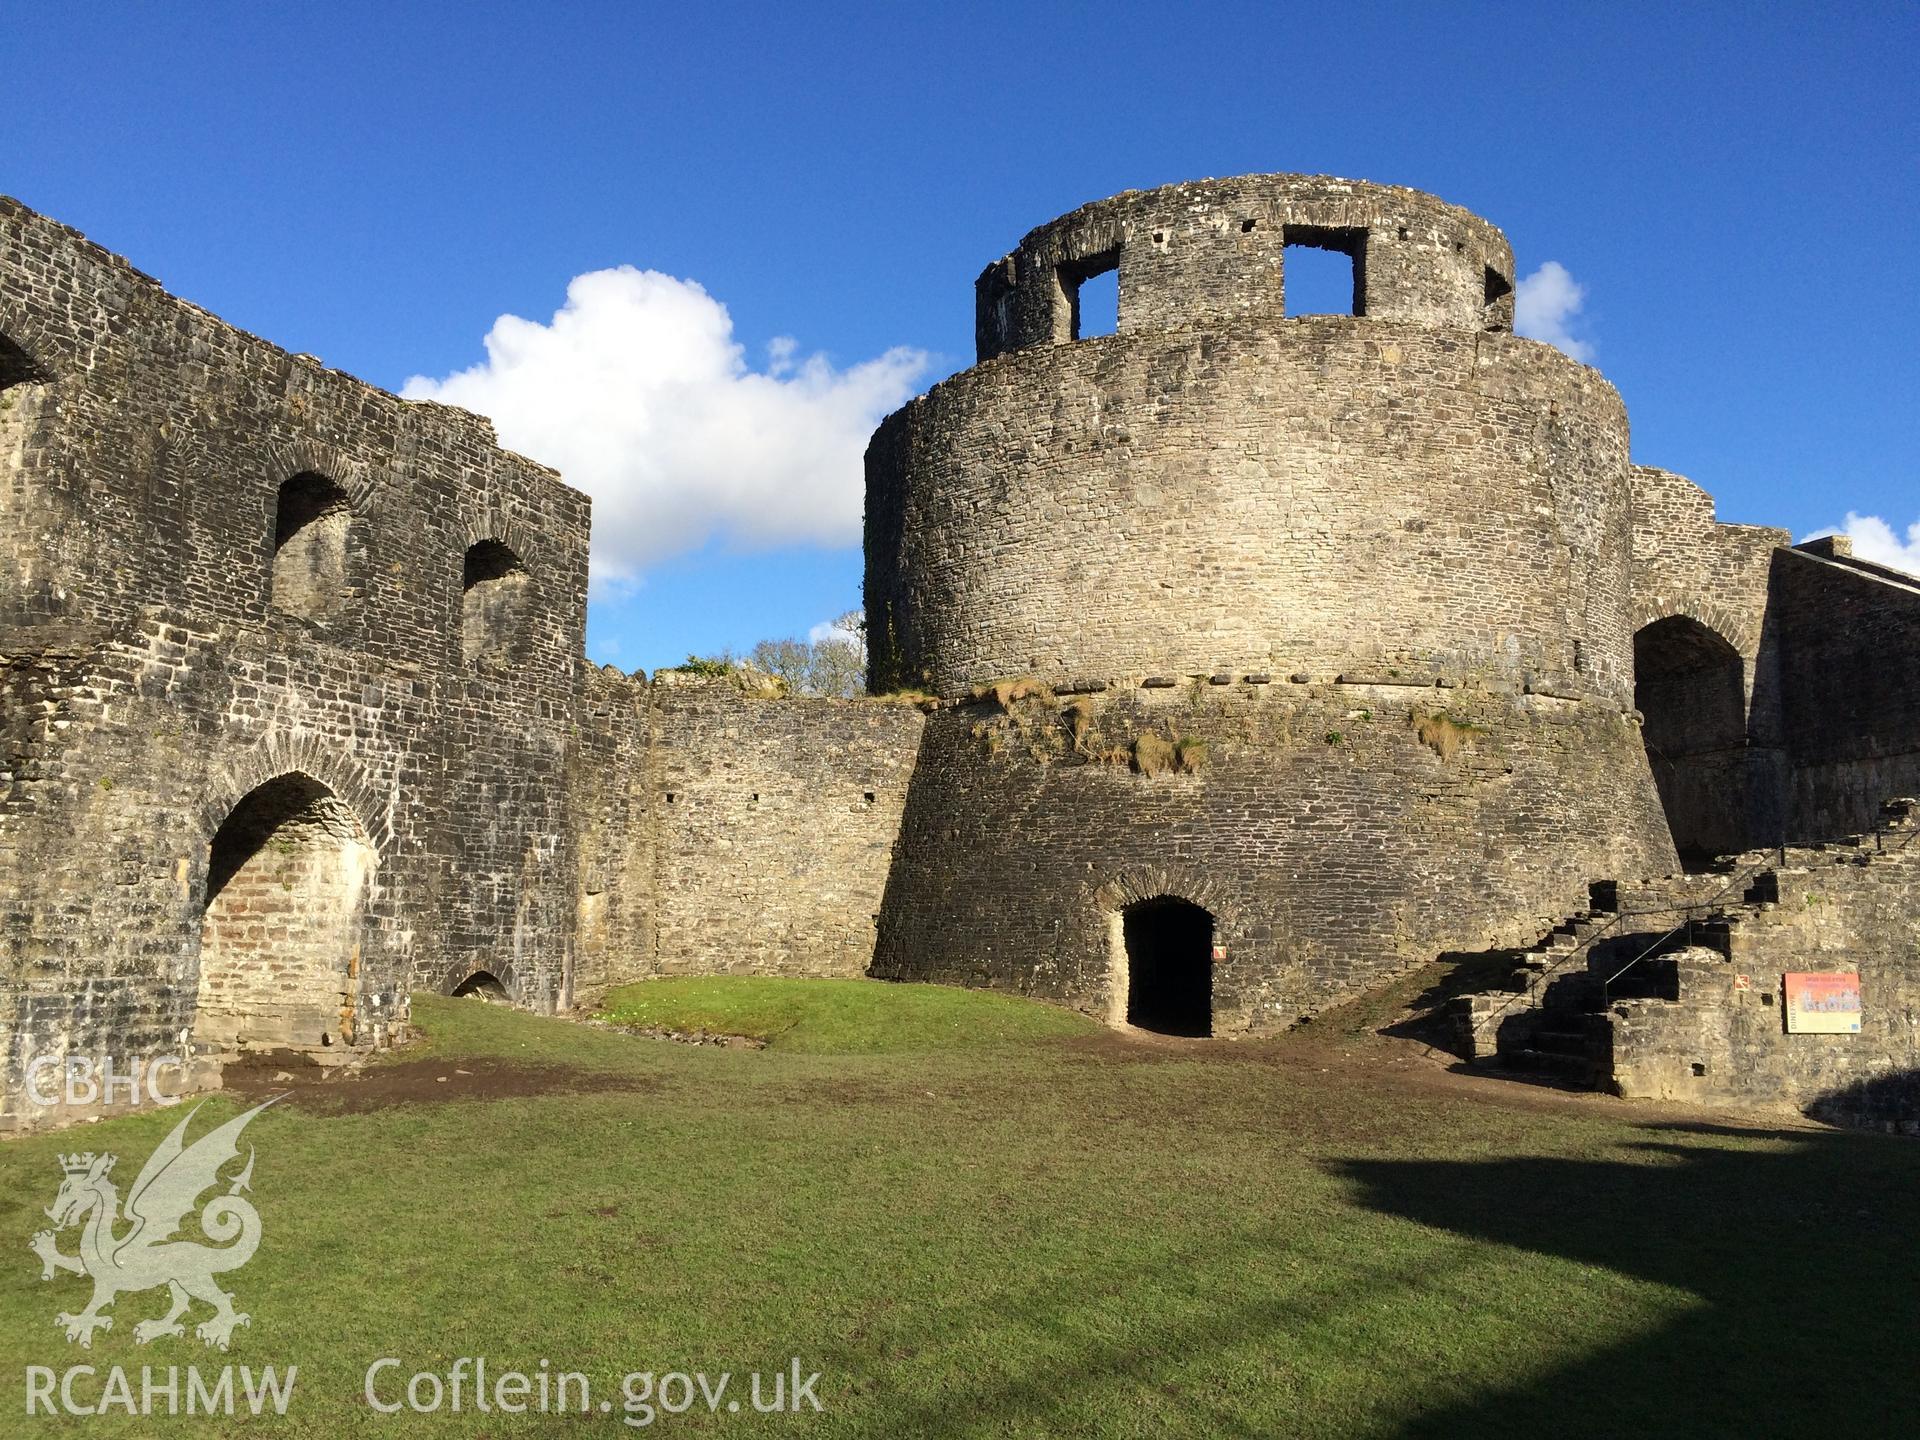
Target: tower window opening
{"x": 1499, "y": 301}
{"x": 1090, "y": 289}
{"x": 1323, "y": 270}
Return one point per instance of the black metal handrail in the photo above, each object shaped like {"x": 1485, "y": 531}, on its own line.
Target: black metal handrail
{"x": 1743, "y": 879}
{"x": 1880, "y": 848}
{"x": 1580, "y": 950}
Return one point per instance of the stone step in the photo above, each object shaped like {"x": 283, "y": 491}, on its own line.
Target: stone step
{"x": 1578, "y": 1069}
{"x": 1579, "y": 1043}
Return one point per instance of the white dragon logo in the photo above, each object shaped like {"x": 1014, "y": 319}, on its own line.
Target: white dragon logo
{"x": 148, "y": 1255}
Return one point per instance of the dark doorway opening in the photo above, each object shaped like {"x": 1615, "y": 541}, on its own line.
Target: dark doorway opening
{"x": 1169, "y": 966}
{"x": 482, "y": 985}
{"x": 1689, "y": 685}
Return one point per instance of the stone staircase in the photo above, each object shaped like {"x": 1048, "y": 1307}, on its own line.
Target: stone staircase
{"x": 1653, "y": 943}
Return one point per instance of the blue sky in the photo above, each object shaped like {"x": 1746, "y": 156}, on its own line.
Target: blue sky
{"x": 1733, "y": 189}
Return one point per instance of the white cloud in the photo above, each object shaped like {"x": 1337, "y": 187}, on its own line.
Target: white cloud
{"x": 1874, "y": 539}
{"x": 1545, "y": 306}
{"x": 832, "y": 630}
{"x": 638, "y": 393}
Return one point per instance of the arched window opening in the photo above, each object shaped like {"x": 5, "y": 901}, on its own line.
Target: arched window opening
{"x": 1689, "y": 685}
{"x": 22, "y": 392}
{"x": 1169, "y": 959}
{"x": 288, "y": 874}
{"x": 310, "y": 530}
{"x": 493, "y": 604}
{"x": 483, "y": 985}
{"x": 17, "y": 366}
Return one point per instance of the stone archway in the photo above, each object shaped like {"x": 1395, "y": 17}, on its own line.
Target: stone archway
{"x": 1689, "y": 684}
{"x": 289, "y": 872}
{"x": 483, "y": 985}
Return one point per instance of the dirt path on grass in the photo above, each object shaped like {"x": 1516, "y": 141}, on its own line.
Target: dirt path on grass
{"x": 380, "y": 1085}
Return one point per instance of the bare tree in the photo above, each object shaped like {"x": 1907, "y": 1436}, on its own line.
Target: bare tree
{"x": 789, "y": 661}
{"x": 835, "y": 664}
{"x": 840, "y": 658}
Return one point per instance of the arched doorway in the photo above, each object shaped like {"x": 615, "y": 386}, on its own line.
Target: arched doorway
{"x": 1169, "y": 966}
{"x": 483, "y": 985}
{"x": 288, "y": 874}
{"x": 1689, "y": 683}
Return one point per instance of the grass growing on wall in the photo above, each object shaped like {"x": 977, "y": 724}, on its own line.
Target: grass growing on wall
{"x": 999, "y": 1222}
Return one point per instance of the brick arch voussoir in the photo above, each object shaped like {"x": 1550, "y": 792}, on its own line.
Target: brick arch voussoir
{"x": 510, "y": 531}
{"x": 1152, "y": 882}
{"x": 1737, "y": 630}
{"x": 281, "y": 754}
{"x": 357, "y": 479}
{"x": 460, "y": 971}
{"x": 35, "y": 338}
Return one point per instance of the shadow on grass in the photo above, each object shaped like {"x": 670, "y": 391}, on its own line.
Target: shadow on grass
{"x": 1882, "y": 1102}
{"x": 1799, "y": 1253}
{"x": 1803, "y": 1256}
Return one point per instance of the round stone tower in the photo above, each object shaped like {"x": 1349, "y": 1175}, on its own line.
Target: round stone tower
{"x": 1285, "y": 651}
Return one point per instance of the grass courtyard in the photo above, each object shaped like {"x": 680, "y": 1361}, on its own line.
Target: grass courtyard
{"x": 973, "y": 1215}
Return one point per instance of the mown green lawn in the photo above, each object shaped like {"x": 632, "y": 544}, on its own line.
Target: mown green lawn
{"x": 977, "y": 1216}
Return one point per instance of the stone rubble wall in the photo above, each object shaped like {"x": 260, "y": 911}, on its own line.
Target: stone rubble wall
{"x": 1306, "y": 494}
{"x": 1850, "y": 644}
{"x": 151, "y": 683}
{"x": 1723, "y": 1038}
{"x": 1333, "y": 845}
{"x": 726, "y": 833}
{"x": 1212, "y": 251}
{"x": 1687, "y": 563}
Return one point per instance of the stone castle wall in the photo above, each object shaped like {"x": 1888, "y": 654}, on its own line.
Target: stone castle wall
{"x": 1726, "y": 783}
{"x": 729, "y": 834}
{"x": 1261, "y": 497}
{"x": 1207, "y": 253}
{"x": 1830, "y": 705}
{"x": 1849, "y": 636}
{"x": 152, "y": 682}
{"x": 1333, "y": 845}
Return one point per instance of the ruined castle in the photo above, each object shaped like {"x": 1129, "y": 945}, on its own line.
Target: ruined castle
{"x": 1224, "y": 667}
